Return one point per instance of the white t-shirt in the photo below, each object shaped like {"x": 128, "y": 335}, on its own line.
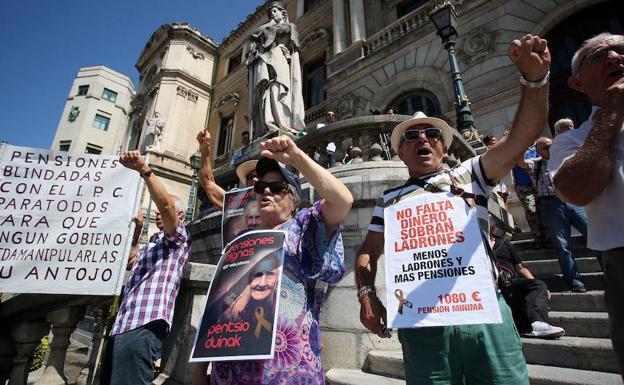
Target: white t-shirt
{"x": 605, "y": 214}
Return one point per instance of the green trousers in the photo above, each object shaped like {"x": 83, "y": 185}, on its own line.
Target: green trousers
{"x": 481, "y": 354}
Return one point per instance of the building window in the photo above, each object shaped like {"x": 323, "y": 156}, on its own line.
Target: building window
{"x": 407, "y": 6}
{"x": 64, "y": 145}
{"x": 313, "y": 78}
{"x": 82, "y": 90}
{"x": 310, "y": 4}
{"x": 419, "y": 100}
{"x": 101, "y": 122}
{"x": 109, "y": 95}
{"x": 93, "y": 149}
{"x": 234, "y": 62}
{"x": 225, "y": 135}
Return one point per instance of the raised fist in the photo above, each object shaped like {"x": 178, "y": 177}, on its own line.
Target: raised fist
{"x": 530, "y": 54}
{"x": 134, "y": 161}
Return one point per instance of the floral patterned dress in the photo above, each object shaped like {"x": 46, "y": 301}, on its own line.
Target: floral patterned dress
{"x": 312, "y": 260}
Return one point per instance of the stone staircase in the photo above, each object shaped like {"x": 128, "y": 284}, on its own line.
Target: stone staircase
{"x": 584, "y": 356}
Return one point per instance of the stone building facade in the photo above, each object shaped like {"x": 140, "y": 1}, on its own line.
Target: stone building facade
{"x": 96, "y": 113}
{"x": 172, "y": 104}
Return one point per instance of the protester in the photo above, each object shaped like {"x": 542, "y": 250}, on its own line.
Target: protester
{"x": 314, "y": 256}
{"x": 146, "y": 311}
{"x": 330, "y": 149}
{"x": 246, "y": 171}
{"x": 557, "y": 215}
{"x": 239, "y": 153}
{"x": 526, "y": 296}
{"x": 528, "y": 198}
{"x": 587, "y": 164}
{"x": 490, "y": 353}
{"x": 563, "y": 125}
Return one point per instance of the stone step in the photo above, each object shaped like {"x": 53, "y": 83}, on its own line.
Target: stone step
{"x": 551, "y": 375}
{"x": 551, "y": 253}
{"x": 592, "y": 301}
{"x": 389, "y": 363}
{"x": 581, "y": 324}
{"x": 556, "y": 283}
{"x": 572, "y": 352}
{"x": 551, "y": 266}
{"x": 529, "y": 243}
{"x": 337, "y": 376}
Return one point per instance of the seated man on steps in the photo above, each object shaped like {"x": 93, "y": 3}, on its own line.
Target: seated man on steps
{"x": 526, "y": 296}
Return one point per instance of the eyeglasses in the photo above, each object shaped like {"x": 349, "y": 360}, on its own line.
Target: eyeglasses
{"x": 274, "y": 187}
{"x": 414, "y": 134}
{"x": 597, "y": 56}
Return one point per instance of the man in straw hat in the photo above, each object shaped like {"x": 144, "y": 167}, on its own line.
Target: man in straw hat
{"x": 477, "y": 354}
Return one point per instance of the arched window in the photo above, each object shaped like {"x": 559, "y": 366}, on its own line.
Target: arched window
{"x": 563, "y": 41}
{"x": 418, "y": 100}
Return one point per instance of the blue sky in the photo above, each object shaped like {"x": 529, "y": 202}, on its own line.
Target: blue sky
{"x": 45, "y": 42}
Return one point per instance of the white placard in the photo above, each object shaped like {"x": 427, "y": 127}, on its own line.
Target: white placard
{"x": 437, "y": 270}
{"x": 65, "y": 221}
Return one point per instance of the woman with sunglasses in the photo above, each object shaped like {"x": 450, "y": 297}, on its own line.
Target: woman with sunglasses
{"x": 314, "y": 257}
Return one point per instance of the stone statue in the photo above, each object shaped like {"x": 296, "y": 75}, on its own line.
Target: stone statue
{"x": 73, "y": 113}
{"x": 276, "y": 100}
{"x": 154, "y": 131}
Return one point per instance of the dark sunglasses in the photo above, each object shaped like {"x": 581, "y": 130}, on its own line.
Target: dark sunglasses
{"x": 430, "y": 133}
{"x": 274, "y": 187}
{"x": 601, "y": 54}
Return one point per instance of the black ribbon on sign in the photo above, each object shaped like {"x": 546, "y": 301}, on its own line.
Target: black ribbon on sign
{"x": 262, "y": 322}
{"x": 398, "y": 293}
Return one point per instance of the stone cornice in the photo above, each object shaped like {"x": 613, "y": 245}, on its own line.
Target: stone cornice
{"x": 168, "y": 32}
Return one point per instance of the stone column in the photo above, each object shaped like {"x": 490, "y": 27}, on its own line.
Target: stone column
{"x": 358, "y": 28}
{"x": 340, "y": 39}
{"x": 63, "y": 324}
{"x": 300, "y": 8}
{"x": 27, "y": 336}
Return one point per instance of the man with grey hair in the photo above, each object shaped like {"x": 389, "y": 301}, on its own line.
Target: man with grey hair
{"x": 146, "y": 311}
{"x": 563, "y": 125}
{"x": 588, "y": 165}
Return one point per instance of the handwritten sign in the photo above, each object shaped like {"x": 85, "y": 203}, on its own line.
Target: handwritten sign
{"x": 64, "y": 221}
{"x": 437, "y": 270}
{"x": 238, "y": 322}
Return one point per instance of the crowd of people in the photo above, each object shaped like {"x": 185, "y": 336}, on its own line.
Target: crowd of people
{"x": 581, "y": 167}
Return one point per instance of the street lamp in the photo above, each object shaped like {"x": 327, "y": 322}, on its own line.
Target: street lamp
{"x": 444, "y": 18}
{"x": 195, "y": 161}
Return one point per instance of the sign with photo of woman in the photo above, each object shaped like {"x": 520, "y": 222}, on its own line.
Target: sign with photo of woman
{"x": 242, "y": 303}
{"x": 240, "y": 214}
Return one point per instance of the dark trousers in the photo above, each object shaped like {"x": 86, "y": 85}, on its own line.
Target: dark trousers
{"x": 129, "y": 357}
{"x": 614, "y": 299}
{"x": 528, "y": 300}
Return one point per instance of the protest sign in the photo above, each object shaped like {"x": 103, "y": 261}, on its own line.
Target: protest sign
{"x": 437, "y": 269}
{"x": 64, "y": 221}
{"x": 240, "y": 214}
{"x": 238, "y": 322}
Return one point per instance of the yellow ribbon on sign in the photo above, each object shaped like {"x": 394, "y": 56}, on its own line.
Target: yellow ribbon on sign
{"x": 398, "y": 293}
{"x": 262, "y": 322}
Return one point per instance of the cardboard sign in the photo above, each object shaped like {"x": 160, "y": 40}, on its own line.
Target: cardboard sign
{"x": 240, "y": 214}
{"x": 437, "y": 270}
{"x": 65, "y": 221}
{"x": 238, "y": 322}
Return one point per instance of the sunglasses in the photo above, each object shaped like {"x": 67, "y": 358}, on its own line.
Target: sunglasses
{"x": 274, "y": 187}
{"x": 414, "y": 134}
{"x": 597, "y": 56}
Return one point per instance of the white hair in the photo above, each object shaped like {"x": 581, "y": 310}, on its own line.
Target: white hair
{"x": 561, "y": 122}
{"x": 587, "y": 46}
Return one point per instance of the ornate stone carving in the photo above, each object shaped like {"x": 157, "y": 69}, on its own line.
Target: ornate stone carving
{"x": 478, "y": 44}
{"x": 233, "y": 97}
{"x": 187, "y": 93}
{"x": 192, "y": 96}
{"x": 154, "y": 89}
{"x": 315, "y": 35}
{"x": 73, "y": 114}
{"x": 182, "y": 91}
{"x": 195, "y": 53}
{"x": 347, "y": 105}
{"x": 154, "y": 131}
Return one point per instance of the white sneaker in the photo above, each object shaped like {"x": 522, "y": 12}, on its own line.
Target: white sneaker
{"x": 544, "y": 330}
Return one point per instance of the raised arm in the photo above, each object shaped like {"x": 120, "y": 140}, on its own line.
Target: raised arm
{"x": 214, "y": 192}
{"x": 594, "y": 162}
{"x": 164, "y": 201}
{"x": 372, "y": 310}
{"x": 530, "y": 54}
{"x": 337, "y": 199}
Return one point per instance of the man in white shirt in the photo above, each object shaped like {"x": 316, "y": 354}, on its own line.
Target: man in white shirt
{"x": 588, "y": 165}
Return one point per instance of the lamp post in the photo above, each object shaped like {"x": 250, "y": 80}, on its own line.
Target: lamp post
{"x": 444, "y": 18}
{"x": 195, "y": 161}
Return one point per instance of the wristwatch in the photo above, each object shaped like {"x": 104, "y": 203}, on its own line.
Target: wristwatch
{"x": 147, "y": 173}
{"x": 537, "y": 84}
